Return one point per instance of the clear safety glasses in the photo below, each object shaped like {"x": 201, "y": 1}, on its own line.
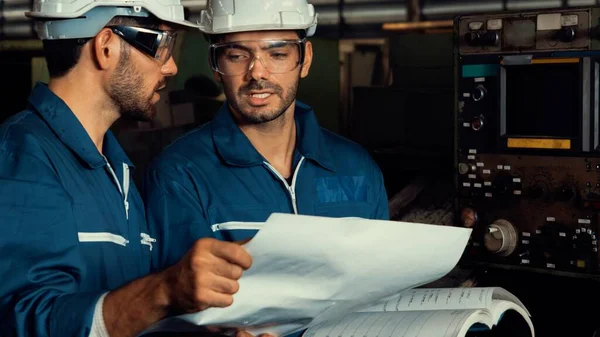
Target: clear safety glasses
{"x": 237, "y": 58}
{"x": 157, "y": 44}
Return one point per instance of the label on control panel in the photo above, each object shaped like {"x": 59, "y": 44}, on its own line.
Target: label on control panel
{"x": 527, "y": 234}
{"x": 479, "y": 79}
{"x": 487, "y": 183}
{"x": 471, "y": 157}
{"x": 562, "y": 234}
{"x": 506, "y": 167}
{"x": 466, "y": 184}
{"x": 569, "y": 20}
{"x": 549, "y": 21}
{"x": 477, "y": 185}
{"x": 466, "y": 94}
{"x": 550, "y": 219}
{"x": 584, "y": 221}
{"x": 525, "y": 242}
{"x": 525, "y": 261}
{"x": 499, "y": 167}
{"x": 472, "y": 176}
{"x": 476, "y": 25}
{"x": 479, "y": 164}
{"x": 517, "y": 192}
{"x": 487, "y": 172}
{"x": 466, "y": 124}
{"x": 516, "y": 180}
{"x": 494, "y": 24}
{"x": 550, "y": 265}
{"x": 488, "y": 194}
{"x": 473, "y": 151}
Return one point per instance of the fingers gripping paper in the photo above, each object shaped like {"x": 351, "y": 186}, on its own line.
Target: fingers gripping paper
{"x": 308, "y": 269}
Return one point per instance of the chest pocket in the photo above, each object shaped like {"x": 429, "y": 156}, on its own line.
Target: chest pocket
{"x": 224, "y": 214}
{"x": 102, "y": 247}
{"x": 343, "y": 196}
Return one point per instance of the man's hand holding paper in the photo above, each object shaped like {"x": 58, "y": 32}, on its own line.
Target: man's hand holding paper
{"x": 208, "y": 275}
{"x": 308, "y": 269}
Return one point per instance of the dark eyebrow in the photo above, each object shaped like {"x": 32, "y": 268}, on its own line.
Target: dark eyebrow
{"x": 238, "y": 46}
{"x": 275, "y": 44}
{"x": 270, "y": 45}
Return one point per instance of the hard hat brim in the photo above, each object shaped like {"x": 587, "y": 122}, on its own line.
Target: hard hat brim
{"x": 80, "y": 12}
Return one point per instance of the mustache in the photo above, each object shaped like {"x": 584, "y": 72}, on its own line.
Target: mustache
{"x": 261, "y": 85}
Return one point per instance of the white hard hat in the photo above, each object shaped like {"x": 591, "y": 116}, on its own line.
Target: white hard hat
{"x": 90, "y": 16}
{"x": 230, "y": 16}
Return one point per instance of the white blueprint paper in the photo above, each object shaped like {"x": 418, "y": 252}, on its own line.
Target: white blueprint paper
{"x": 309, "y": 269}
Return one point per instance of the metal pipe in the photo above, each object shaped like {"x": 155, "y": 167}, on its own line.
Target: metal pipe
{"x": 16, "y": 3}
{"x": 445, "y": 10}
{"x": 522, "y": 5}
{"x": 380, "y": 13}
{"x": 362, "y": 14}
{"x": 17, "y": 30}
{"x": 14, "y": 14}
{"x": 577, "y": 3}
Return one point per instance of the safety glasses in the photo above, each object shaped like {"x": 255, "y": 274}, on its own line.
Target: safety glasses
{"x": 237, "y": 58}
{"x": 157, "y": 44}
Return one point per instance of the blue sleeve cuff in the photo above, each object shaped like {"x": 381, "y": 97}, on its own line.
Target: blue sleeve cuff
{"x": 73, "y": 314}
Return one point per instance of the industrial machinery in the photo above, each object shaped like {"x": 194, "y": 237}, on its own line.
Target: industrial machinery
{"x": 528, "y": 139}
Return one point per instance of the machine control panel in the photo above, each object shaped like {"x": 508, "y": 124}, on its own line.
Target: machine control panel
{"x": 527, "y": 32}
{"x": 532, "y": 210}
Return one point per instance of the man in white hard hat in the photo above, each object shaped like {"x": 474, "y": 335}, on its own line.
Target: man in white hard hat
{"x": 264, "y": 151}
{"x": 75, "y": 245}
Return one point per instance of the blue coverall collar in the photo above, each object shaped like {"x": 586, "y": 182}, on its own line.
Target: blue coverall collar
{"x": 67, "y": 127}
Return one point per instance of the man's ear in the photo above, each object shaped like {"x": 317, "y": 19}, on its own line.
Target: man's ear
{"x": 107, "y": 49}
{"x": 308, "y": 56}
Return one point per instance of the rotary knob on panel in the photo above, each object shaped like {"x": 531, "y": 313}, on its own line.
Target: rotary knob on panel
{"x": 482, "y": 38}
{"x": 463, "y": 168}
{"x": 501, "y": 238}
{"x": 565, "y": 34}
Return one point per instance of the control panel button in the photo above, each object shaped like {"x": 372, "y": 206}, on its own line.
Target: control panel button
{"x": 463, "y": 168}
{"x": 478, "y": 93}
{"x": 477, "y": 123}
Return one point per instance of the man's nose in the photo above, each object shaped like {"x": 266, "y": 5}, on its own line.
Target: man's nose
{"x": 257, "y": 70}
{"x": 169, "y": 68}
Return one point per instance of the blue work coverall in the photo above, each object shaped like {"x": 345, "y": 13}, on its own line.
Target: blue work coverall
{"x": 213, "y": 175}
{"x": 72, "y": 223}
